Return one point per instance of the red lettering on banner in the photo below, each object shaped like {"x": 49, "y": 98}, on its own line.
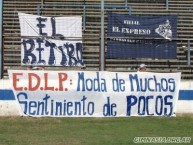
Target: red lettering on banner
{"x": 62, "y": 77}
{"x": 35, "y": 81}
{"x": 15, "y": 80}
{"x": 36, "y": 86}
{"x": 46, "y": 87}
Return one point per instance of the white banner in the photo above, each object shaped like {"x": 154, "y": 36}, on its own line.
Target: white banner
{"x": 34, "y": 25}
{"x": 95, "y": 94}
{"x": 51, "y": 41}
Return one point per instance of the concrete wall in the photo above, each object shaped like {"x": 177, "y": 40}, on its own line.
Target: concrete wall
{"x": 9, "y": 106}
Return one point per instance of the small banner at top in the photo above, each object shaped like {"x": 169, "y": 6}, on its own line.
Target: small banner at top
{"x": 95, "y": 94}
{"x": 141, "y": 36}
{"x": 51, "y": 41}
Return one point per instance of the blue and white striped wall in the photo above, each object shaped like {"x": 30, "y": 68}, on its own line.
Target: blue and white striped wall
{"x": 185, "y": 99}
{"x": 8, "y": 104}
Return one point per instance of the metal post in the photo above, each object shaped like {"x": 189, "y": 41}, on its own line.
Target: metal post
{"x": 188, "y": 52}
{"x": 167, "y": 5}
{"x": 84, "y": 18}
{"x": 102, "y": 50}
{"x": 126, "y": 3}
{"x": 1, "y": 36}
{"x": 38, "y": 9}
{"x": 42, "y": 3}
{"x": 130, "y": 10}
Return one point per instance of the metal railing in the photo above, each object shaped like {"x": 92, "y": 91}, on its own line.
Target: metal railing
{"x": 84, "y": 7}
{"x": 1, "y": 46}
{"x": 42, "y": 6}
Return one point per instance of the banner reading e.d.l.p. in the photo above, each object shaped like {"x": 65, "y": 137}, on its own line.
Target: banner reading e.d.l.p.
{"x": 95, "y": 94}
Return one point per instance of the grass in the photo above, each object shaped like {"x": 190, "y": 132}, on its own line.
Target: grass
{"x": 90, "y": 131}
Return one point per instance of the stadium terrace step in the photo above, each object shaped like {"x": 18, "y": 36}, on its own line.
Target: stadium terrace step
{"x": 91, "y": 35}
